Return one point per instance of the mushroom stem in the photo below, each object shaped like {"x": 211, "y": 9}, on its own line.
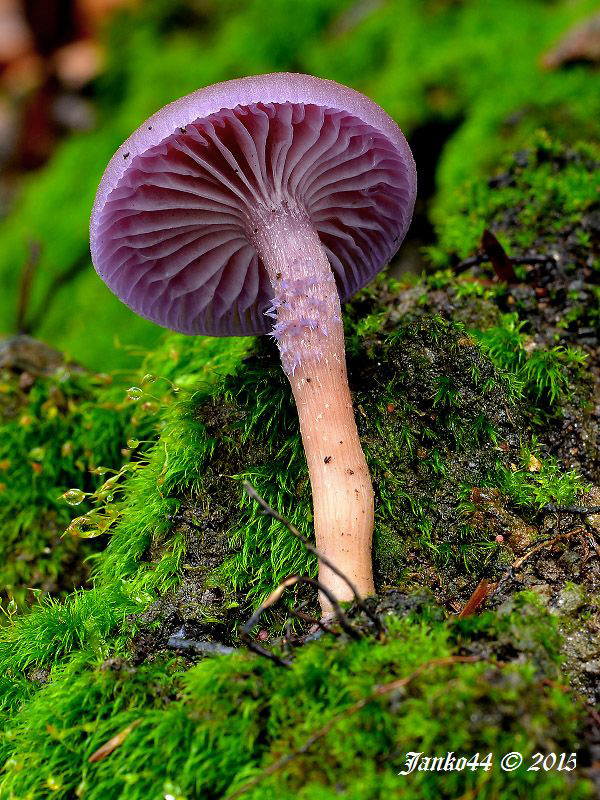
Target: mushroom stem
{"x": 310, "y": 336}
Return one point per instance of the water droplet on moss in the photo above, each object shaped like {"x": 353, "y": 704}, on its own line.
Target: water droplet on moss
{"x": 82, "y": 528}
{"x": 134, "y": 393}
{"x": 99, "y": 470}
{"x": 132, "y": 443}
{"x": 74, "y": 497}
{"x": 171, "y": 791}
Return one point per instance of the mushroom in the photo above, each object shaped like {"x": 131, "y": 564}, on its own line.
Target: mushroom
{"x": 255, "y": 206}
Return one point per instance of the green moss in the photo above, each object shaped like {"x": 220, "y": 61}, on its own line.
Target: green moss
{"x": 532, "y": 201}
{"x": 55, "y": 629}
{"x": 183, "y": 733}
{"x": 67, "y": 431}
{"x": 549, "y": 377}
{"x": 80, "y": 431}
{"x": 533, "y": 484}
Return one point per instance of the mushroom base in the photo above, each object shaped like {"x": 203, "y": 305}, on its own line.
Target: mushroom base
{"x": 310, "y": 336}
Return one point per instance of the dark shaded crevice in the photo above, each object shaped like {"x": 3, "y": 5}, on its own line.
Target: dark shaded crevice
{"x": 427, "y": 143}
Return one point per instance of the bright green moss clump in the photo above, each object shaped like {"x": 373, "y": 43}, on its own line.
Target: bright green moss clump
{"x": 68, "y": 441}
{"x": 182, "y": 733}
{"x": 535, "y": 199}
{"x": 68, "y": 431}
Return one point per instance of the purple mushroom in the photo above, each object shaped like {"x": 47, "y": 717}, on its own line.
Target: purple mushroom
{"x": 255, "y": 206}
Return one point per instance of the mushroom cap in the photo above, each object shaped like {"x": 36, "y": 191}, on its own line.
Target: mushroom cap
{"x": 171, "y": 224}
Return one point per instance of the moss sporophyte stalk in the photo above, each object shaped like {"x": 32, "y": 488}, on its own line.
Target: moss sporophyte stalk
{"x": 251, "y": 207}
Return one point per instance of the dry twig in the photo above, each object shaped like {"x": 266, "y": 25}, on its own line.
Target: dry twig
{"x": 273, "y": 598}
{"x": 546, "y": 543}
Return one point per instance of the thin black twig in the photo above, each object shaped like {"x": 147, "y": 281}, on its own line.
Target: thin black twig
{"x": 549, "y": 259}
{"x": 340, "y": 615}
{"x": 484, "y": 258}
{"x": 294, "y": 612}
{"x": 255, "y": 647}
{"x": 467, "y": 263}
{"x": 275, "y": 596}
{"x": 312, "y": 549}
{"x": 246, "y": 629}
{"x": 288, "y": 636}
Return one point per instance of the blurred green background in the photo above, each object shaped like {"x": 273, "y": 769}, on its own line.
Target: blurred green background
{"x": 467, "y": 81}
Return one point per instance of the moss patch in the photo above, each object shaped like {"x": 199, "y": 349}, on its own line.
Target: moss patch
{"x": 60, "y": 427}
{"x": 182, "y": 732}
{"x": 68, "y": 440}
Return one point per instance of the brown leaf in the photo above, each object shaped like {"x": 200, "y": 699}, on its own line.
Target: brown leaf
{"x": 580, "y": 43}
{"x": 476, "y": 599}
{"x": 114, "y": 742}
{"x": 503, "y": 266}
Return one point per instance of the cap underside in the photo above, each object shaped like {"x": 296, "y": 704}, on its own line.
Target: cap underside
{"x": 172, "y": 239}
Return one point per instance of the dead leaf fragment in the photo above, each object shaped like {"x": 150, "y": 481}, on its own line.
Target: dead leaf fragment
{"x": 477, "y": 598}
{"x": 580, "y": 43}
{"x": 112, "y": 744}
{"x": 498, "y": 257}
